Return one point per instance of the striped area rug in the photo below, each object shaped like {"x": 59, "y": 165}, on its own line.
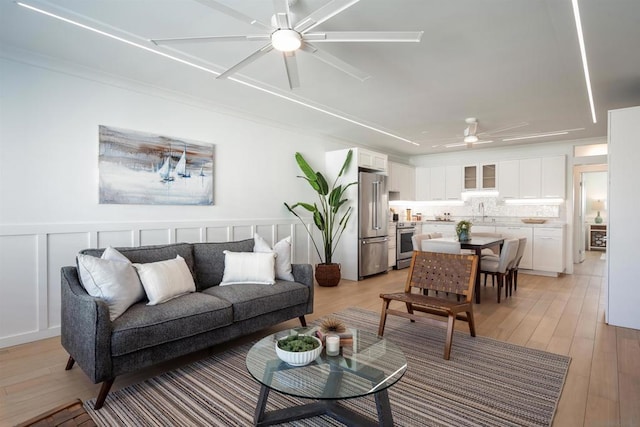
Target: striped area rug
{"x": 485, "y": 383}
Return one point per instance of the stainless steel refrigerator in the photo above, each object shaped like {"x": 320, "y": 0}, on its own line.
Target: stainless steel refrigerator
{"x": 373, "y": 221}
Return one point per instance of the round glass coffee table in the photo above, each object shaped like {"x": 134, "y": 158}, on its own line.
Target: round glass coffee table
{"x": 369, "y": 365}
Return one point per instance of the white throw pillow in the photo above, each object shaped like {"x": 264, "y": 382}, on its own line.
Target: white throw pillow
{"x": 116, "y": 282}
{"x": 165, "y": 280}
{"x": 283, "y": 255}
{"x": 113, "y": 255}
{"x": 249, "y": 267}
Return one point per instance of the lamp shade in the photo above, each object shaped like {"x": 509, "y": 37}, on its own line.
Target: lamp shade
{"x": 597, "y": 205}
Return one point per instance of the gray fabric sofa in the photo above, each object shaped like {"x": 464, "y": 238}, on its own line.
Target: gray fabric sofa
{"x": 145, "y": 335}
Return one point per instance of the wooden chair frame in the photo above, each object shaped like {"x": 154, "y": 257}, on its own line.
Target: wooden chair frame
{"x": 446, "y": 273}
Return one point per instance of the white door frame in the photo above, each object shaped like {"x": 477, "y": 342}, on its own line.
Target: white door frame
{"x": 578, "y": 208}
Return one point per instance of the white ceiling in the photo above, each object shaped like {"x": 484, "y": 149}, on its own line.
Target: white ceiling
{"x": 510, "y": 63}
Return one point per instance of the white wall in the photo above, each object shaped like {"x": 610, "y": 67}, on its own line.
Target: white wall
{"x": 623, "y": 292}
{"x": 49, "y": 180}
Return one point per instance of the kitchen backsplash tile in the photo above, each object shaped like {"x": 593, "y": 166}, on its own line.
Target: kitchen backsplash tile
{"x": 493, "y": 208}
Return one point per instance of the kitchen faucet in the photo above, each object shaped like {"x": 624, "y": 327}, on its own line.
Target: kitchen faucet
{"x": 481, "y": 208}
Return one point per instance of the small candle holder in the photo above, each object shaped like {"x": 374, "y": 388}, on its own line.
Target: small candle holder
{"x": 332, "y": 344}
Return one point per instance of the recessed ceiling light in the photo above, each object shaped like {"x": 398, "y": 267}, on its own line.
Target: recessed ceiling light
{"x": 583, "y": 53}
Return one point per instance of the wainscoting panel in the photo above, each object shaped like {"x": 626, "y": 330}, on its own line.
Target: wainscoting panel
{"x": 188, "y": 235}
{"x": 18, "y": 285}
{"x": 154, "y": 237}
{"x": 31, "y": 257}
{"x": 218, "y": 234}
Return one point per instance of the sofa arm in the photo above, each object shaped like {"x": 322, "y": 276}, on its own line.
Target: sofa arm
{"x": 85, "y": 327}
{"x": 303, "y": 273}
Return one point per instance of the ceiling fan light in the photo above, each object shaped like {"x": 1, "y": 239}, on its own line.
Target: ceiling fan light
{"x": 286, "y": 40}
{"x": 470, "y": 139}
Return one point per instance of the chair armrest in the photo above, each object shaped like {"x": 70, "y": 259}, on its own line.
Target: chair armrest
{"x": 303, "y": 273}
{"x": 85, "y": 327}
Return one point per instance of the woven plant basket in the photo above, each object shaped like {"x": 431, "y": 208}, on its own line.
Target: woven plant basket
{"x": 328, "y": 274}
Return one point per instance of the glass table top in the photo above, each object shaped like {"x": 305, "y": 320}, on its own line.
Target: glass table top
{"x": 369, "y": 365}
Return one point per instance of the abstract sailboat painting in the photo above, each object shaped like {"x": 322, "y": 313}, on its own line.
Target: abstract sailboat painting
{"x": 143, "y": 168}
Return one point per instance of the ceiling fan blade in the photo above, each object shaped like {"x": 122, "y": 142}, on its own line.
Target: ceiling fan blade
{"x": 282, "y": 13}
{"x": 364, "y": 36}
{"x": 504, "y": 129}
{"x": 326, "y": 12}
{"x": 291, "y": 65}
{"x": 207, "y": 39}
{"x": 213, "y": 4}
{"x": 335, "y": 62}
{"x": 246, "y": 61}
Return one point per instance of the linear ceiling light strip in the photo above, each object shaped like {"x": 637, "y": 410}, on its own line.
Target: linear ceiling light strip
{"x": 583, "y": 53}
{"x": 208, "y": 70}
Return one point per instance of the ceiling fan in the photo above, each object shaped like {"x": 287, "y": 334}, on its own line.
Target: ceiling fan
{"x": 288, "y": 35}
{"x": 471, "y": 136}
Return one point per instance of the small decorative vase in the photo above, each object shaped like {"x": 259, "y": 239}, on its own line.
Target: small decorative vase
{"x": 598, "y": 218}
{"x": 328, "y": 274}
{"x": 463, "y": 236}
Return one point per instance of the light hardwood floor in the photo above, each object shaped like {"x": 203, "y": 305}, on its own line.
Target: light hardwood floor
{"x": 562, "y": 315}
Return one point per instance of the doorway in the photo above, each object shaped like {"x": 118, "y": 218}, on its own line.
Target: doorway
{"x": 590, "y": 209}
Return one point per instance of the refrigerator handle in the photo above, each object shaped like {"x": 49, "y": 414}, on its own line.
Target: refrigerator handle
{"x": 376, "y": 204}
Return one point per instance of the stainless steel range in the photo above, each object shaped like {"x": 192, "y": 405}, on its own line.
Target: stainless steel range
{"x": 404, "y": 245}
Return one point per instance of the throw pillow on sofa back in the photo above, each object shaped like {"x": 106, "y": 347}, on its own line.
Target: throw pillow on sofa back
{"x": 282, "y": 249}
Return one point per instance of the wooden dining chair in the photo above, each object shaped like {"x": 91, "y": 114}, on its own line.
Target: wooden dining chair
{"x": 452, "y": 273}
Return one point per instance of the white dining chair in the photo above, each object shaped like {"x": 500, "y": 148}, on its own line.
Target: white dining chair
{"x": 439, "y": 246}
{"x": 417, "y": 240}
{"x": 499, "y": 268}
{"x": 513, "y": 269}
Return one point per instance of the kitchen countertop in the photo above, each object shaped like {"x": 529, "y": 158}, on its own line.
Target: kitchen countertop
{"x": 501, "y": 223}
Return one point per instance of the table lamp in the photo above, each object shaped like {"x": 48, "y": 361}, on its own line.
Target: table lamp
{"x": 598, "y": 205}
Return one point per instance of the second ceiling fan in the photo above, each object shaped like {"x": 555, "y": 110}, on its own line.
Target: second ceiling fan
{"x": 288, "y": 36}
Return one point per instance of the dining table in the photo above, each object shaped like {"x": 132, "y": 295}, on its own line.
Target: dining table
{"x": 476, "y": 244}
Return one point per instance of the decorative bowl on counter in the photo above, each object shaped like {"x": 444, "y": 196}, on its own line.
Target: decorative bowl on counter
{"x": 534, "y": 220}
{"x": 298, "y": 350}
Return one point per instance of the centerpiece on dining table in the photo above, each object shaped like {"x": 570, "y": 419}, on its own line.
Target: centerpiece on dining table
{"x": 463, "y": 230}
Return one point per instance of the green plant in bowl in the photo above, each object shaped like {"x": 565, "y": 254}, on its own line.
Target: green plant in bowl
{"x": 298, "y": 350}
{"x": 297, "y": 343}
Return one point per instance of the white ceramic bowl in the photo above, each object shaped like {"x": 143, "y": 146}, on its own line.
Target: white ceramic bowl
{"x": 299, "y": 358}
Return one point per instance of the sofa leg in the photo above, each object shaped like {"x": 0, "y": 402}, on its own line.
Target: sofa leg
{"x": 104, "y": 390}
{"x": 303, "y": 321}
{"x": 70, "y": 363}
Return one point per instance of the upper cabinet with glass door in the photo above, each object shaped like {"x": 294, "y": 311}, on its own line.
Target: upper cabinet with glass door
{"x": 480, "y": 177}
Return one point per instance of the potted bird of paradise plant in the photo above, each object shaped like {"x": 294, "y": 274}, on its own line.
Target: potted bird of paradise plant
{"x": 330, "y": 216}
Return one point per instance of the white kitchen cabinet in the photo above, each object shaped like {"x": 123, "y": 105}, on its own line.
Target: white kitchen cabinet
{"x": 392, "y": 245}
{"x": 509, "y": 179}
{"x": 479, "y": 177}
{"x": 553, "y": 177}
{"x": 371, "y": 160}
{"x": 482, "y": 229}
{"x": 529, "y": 178}
{"x": 548, "y": 249}
{"x": 437, "y": 179}
{"x": 445, "y": 182}
{"x": 402, "y": 180}
{"x": 537, "y": 178}
{"x": 518, "y": 232}
{"x": 453, "y": 182}
{"x": 423, "y": 179}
